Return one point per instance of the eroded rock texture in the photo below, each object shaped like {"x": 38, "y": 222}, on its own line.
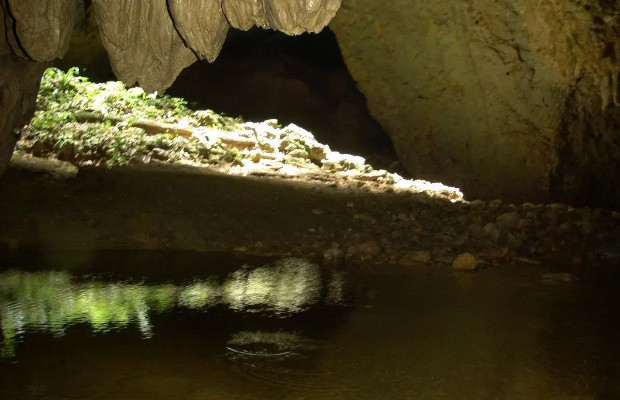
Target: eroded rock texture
{"x": 292, "y": 17}
{"x": 504, "y": 98}
{"x": 202, "y": 24}
{"x": 28, "y": 36}
{"x": 43, "y": 26}
{"x": 150, "y": 42}
{"x": 142, "y": 42}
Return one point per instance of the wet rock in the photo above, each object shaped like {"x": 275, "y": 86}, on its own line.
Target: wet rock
{"x": 414, "y": 258}
{"x": 465, "y": 261}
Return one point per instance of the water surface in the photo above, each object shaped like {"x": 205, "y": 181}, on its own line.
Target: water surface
{"x": 191, "y": 326}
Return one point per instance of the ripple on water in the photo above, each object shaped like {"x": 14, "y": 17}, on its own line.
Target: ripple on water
{"x": 292, "y": 361}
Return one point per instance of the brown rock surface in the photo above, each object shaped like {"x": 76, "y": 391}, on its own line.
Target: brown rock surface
{"x": 142, "y": 42}
{"x": 510, "y": 99}
{"x": 43, "y": 27}
{"x": 202, "y": 25}
{"x": 465, "y": 261}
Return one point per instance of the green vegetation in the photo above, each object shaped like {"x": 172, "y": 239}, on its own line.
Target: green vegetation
{"x": 108, "y": 124}
{"x": 59, "y": 129}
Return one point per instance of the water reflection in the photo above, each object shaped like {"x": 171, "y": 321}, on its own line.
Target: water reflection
{"x": 52, "y": 300}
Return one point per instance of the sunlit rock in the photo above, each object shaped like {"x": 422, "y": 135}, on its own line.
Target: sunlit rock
{"x": 202, "y": 25}
{"x": 335, "y": 161}
{"x": 43, "y": 27}
{"x": 143, "y": 44}
{"x": 292, "y": 17}
{"x": 510, "y": 99}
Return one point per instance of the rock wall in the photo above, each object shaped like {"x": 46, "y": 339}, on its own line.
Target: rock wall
{"x": 503, "y": 98}
{"x": 30, "y": 38}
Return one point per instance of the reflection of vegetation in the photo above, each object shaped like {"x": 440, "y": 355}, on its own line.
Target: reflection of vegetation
{"x": 52, "y": 300}
{"x": 289, "y": 285}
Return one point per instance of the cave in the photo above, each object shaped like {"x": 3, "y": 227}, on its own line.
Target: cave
{"x": 257, "y": 199}
{"x": 263, "y": 74}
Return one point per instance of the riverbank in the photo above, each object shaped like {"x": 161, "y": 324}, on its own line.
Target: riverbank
{"x": 55, "y": 205}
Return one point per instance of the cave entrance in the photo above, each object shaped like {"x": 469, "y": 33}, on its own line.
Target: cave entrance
{"x": 262, "y": 74}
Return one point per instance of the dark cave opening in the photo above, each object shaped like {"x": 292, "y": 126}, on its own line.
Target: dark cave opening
{"x": 264, "y": 74}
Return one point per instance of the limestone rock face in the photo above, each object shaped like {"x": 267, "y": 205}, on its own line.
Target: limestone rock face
{"x": 292, "y": 17}
{"x": 202, "y": 25}
{"x": 44, "y": 27}
{"x": 142, "y": 42}
{"x": 489, "y": 95}
{"x": 19, "y": 84}
{"x": 244, "y": 14}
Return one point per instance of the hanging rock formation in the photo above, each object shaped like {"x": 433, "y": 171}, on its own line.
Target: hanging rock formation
{"x": 202, "y": 25}
{"x": 32, "y": 35}
{"x": 142, "y": 42}
{"x": 503, "y": 98}
{"x": 43, "y": 27}
{"x": 292, "y": 17}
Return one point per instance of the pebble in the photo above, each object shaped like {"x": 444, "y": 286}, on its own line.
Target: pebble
{"x": 465, "y": 261}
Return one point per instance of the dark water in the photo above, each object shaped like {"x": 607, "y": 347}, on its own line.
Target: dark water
{"x": 188, "y": 326}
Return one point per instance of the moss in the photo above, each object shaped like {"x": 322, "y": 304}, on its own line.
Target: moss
{"x": 55, "y": 131}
